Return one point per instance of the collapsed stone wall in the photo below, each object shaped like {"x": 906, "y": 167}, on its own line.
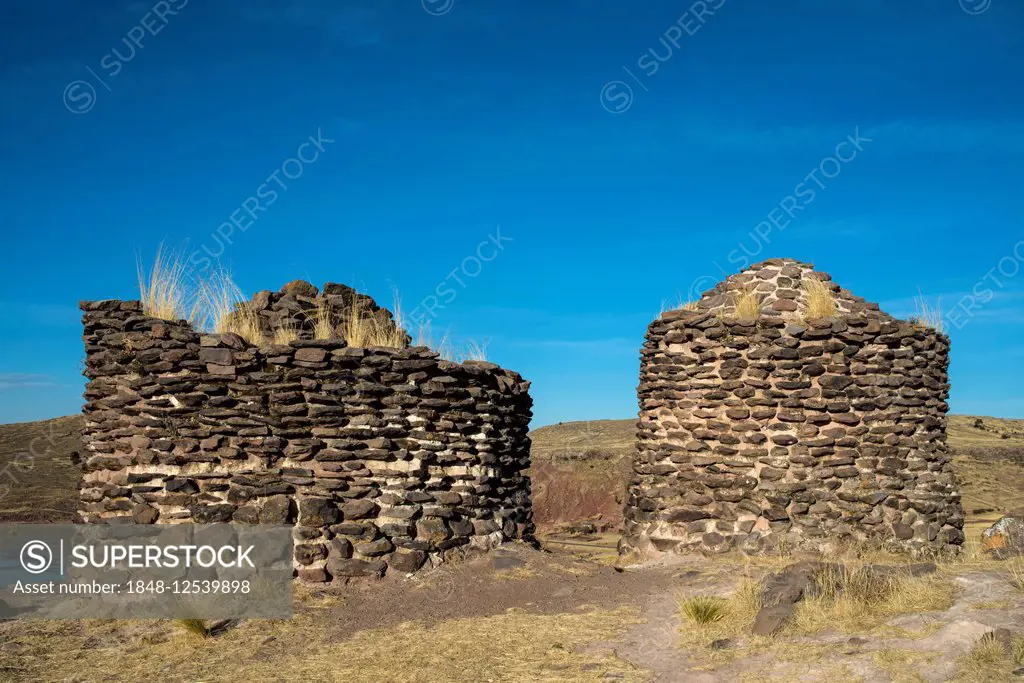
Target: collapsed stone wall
{"x": 754, "y": 434}
{"x": 298, "y": 304}
{"x": 381, "y": 458}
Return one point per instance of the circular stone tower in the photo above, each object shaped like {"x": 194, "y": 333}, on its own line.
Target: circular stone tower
{"x": 782, "y": 410}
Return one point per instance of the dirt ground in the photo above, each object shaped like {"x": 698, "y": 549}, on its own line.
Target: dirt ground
{"x": 521, "y": 614}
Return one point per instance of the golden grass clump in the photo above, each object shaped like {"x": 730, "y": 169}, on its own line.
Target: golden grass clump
{"x": 987, "y": 662}
{"x": 447, "y": 348}
{"x": 710, "y": 618}
{"x": 194, "y": 627}
{"x": 286, "y": 333}
{"x": 163, "y": 290}
{"x": 748, "y": 304}
{"x": 927, "y": 315}
{"x": 680, "y": 304}
{"x": 227, "y": 310}
{"x": 324, "y": 325}
{"x": 703, "y": 609}
{"x": 362, "y": 329}
{"x": 820, "y": 299}
{"x": 855, "y": 600}
{"x": 476, "y": 350}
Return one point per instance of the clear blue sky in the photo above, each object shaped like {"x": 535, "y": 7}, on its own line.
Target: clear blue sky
{"x": 449, "y": 119}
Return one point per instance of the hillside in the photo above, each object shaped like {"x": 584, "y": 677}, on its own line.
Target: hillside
{"x": 617, "y": 436}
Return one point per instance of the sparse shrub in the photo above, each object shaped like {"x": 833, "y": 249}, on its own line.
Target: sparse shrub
{"x": 748, "y": 304}
{"x": 164, "y": 291}
{"x": 703, "y": 609}
{"x": 979, "y": 423}
{"x": 819, "y": 298}
{"x": 195, "y": 627}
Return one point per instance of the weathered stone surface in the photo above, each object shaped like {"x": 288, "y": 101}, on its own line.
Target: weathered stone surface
{"x": 793, "y": 582}
{"x": 770, "y": 620}
{"x": 353, "y": 567}
{"x": 318, "y": 512}
{"x": 407, "y": 560}
{"x": 1005, "y": 538}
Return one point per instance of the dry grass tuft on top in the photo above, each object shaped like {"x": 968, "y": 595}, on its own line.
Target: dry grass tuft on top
{"x": 821, "y": 300}
{"x": 363, "y": 329}
{"x": 163, "y": 290}
{"x": 926, "y": 315}
{"x": 680, "y": 304}
{"x": 748, "y": 304}
{"x": 286, "y": 333}
{"x": 226, "y": 308}
{"x": 447, "y": 348}
{"x": 324, "y": 325}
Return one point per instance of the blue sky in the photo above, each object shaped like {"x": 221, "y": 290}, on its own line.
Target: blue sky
{"x": 631, "y": 153}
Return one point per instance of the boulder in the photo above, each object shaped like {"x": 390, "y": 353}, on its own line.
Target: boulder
{"x": 1005, "y": 538}
{"x": 770, "y": 620}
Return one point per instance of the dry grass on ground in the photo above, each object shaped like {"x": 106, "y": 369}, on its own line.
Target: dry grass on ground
{"x": 901, "y": 665}
{"x": 851, "y": 601}
{"x": 735, "y": 615}
{"x": 854, "y": 601}
{"x": 514, "y": 646}
{"x": 989, "y": 662}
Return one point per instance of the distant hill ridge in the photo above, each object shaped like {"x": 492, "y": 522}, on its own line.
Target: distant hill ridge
{"x": 617, "y": 437}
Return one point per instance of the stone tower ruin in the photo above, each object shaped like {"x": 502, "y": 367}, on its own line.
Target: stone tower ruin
{"x": 783, "y": 430}
{"x": 382, "y": 458}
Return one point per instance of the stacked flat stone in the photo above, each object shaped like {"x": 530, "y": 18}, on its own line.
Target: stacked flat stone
{"x": 381, "y": 458}
{"x": 781, "y": 431}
